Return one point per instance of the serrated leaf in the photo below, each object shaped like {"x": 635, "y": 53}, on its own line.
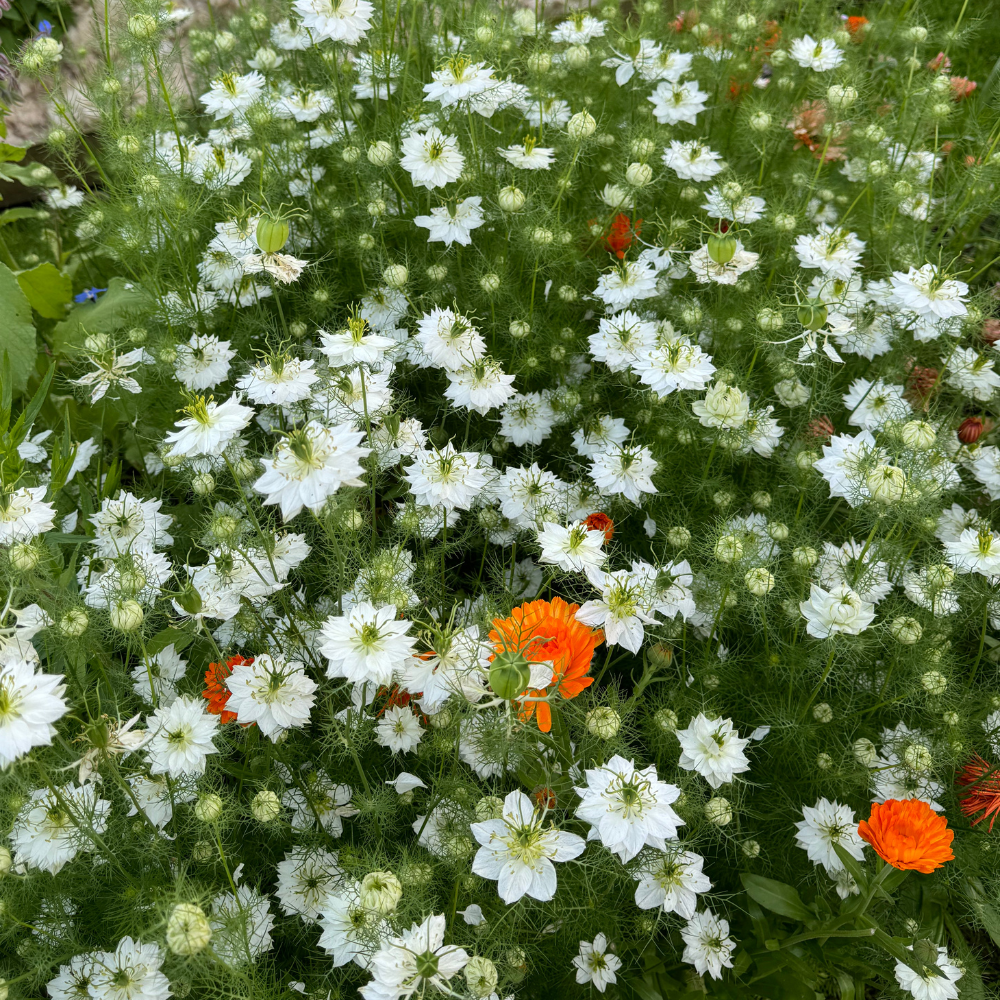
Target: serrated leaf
{"x": 11, "y": 154}
{"x": 18, "y": 340}
{"x": 47, "y": 289}
{"x": 779, "y": 897}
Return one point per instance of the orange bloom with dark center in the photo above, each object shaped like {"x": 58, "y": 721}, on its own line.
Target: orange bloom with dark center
{"x": 600, "y": 522}
{"x": 216, "y": 693}
{"x": 981, "y": 781}
{"x": 620, "y": 235}
{"x": 908, "y": 835}
{"x": 548, "y": 632}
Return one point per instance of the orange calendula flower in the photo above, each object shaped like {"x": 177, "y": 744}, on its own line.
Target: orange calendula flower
{"x": 600, "y": 522}
{"x": 980, "y": 781}
{"x": 619, "y": 237}
{"x": 216, "y": 693}
{"x": 548, "y": 632}
{"x": 908, "y": 834}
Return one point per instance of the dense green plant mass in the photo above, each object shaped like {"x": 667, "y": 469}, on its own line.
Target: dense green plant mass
{"x": 499, "y": 501}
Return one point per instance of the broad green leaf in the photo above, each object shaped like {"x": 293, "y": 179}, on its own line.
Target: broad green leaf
{"x": 785, "y": 985}
{"x": 111, "y": 311}
{"x": 159, "y": 642}
{"x": 13, "y": 214}
{"x": 11, "y": 154}
{"x": 47, "y": 289}
{"x": 776, "y": 896}
{"x": 18, "y": 340}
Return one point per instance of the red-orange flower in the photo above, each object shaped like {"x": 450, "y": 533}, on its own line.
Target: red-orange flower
{"x": 620, "y": 235}
{"x": 961, "y": 87}
{"x": 856, "y": 24}
{"x": 547, "y": 631}
{"x": 908, "y": 834}
{"x": 216, "y": 693}
{"x": 981, "y": 781}
{"x": 599, "y": 521}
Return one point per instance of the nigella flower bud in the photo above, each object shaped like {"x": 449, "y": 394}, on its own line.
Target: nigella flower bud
{"x": 188, "y": 929}
{"x": 380, "y": 154}
{"x": 126, "y": 616}
{"x": 813, "y": 314}
{"x": 272, "y": 234}
{"x": 74, "y": 623}
{"x": 395, "y": 275}
{"x": 581, "y": 126}
{"x": 509, "y": 674}
{"x": 381, "y": 892}
{"x": 265, "y": 806}
{"x": 722, "y": 247}
{"x": 603, "y": 722}
{"x": 142, "y": 26}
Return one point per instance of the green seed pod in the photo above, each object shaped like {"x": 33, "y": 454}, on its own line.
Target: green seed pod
{"x": 812, "y": 315}
{"x": 509, "y": 674}
{"x": 272, "y": 234}
{"x": 721, "y": 247}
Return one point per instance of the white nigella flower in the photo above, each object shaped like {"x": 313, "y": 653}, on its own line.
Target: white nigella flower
{"x": 54, "y": 825}
{"x": 927, "y": 292}
{"x": 73, "y": 981}
{"x": 418, "y": 961}
{"x": 158, "y": 672}
{"x": 627, "y": 469}
{"x": 837, "y": 611}
{"x": 528, "y": 156}
{"x": 274, "y": 692}
{"x": 459, "y": 665}
{"x": 674, "y": 363}
{"x": 310, "y": 464}
{"x": 279, "y": 381}
{"x": 480, "y": 386}
{"x": 344, "y": 21}
{"x": 157, "y": 797}
{"x": 321, "y": 801}
{"x": 707, "y": 944}
{"x": 678, "y": 102}
{"x": 283, "y": 267}
{"x": 728, "y": 273}
{"x": 130, "y": 972}
{"x": 976, "y": 550}
{"x": 578, "y": 29}
{"x": 232, "y": 94}
{"x": 449, "y": 340}
{"x": 203, "y": 362}
{"x": 356, "y": 344}
{"x": 24, "y": 514}
{"x": 398, "y": 729}
{"x": 851, "y": 565}
{"x": 930, "y": 986}
{"x": 126, "y": 522}
{"x": 572, "y": 549}
{"x": 30, "y": 703}
{"x": 873, "y": 404}
{"x": 596, "y": 965}
{"x": 605, "y": 431}
{"x": 527, "y": 418}
{"x": 208, "y": 428}
{"x": 114, "y": 369}
{"x": 350, "y": 932}
{"x": 518, "y": 850}
{"x": 448, "y": 478}
{"x": 713, "y": 748}
{"x": 625, "y": 66}
{"x": 627, "y": 808}
{"x": 692, "y": 161}
{"x": 181, "y": 737}
{"x": 458, "y": 80}
{"x": 972, "y": 373}
{"x": 622, "y": 609}
{"x": 671, "y": 881}
{"x": 368, "y": 645}
{"x": 819, "y": 56}
{"x": 824, "y": 825}
{"x": 241, "y": 925}
{"x": 834, "y": 251}
{"x": 724, "y": 407}
{"x": 306, "y": 876}
{"x": 627, "y": 282}
{"x": 454, "y": 222}
{"x": 730, "y": 202}
{"x": 432, "y": 158}
{"x": 621, "y": 339}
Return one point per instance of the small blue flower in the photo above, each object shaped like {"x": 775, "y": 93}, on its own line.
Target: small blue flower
{"x": 44, "y": 28}
{"x": 88, "y": 295}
